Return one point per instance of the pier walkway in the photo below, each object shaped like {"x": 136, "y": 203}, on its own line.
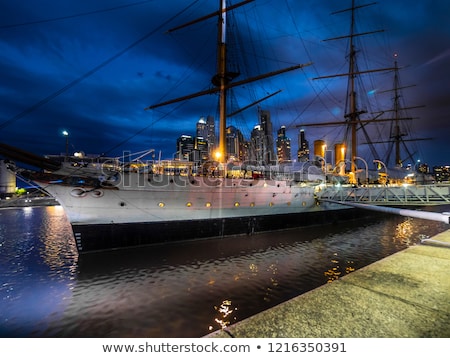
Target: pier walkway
{"x": 414, "y": 195}
{"x": 406, "y": 295}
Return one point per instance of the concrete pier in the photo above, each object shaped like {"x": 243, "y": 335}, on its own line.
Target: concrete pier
{"x": 406, "y": 295}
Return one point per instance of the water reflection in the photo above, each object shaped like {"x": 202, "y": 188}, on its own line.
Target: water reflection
{"x": 225, "y": 317}
{"x": 183, "y": 290}
{"x": 58, "y": 251}
{"x": 37, "y": 269}
{"x": 173, "y": 291}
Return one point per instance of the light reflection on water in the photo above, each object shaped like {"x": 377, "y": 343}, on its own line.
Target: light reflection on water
{"x": 186, "y": 290}
{"x": 38, "y": 264}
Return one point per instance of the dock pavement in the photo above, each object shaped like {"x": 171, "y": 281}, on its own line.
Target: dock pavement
{"x": 405, "y": 295}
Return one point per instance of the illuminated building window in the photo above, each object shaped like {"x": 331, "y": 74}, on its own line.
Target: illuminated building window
{"x": 161, "y": 204}
{"x": 188, "y": 204}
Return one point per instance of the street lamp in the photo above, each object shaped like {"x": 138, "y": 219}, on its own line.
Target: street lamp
{"x": 66, "y": 134}
{"x": 417, "y": 166}
{"x": 367, "y": 168}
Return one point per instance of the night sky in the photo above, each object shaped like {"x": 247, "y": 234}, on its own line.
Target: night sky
{"x": 92, "y": 67}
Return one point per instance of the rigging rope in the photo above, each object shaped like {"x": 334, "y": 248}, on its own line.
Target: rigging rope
{"x": 72, "y": 16}
{"x": 92, "y": 71}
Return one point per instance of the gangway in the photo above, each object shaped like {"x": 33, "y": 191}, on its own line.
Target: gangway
{"x": 399, "y": 195}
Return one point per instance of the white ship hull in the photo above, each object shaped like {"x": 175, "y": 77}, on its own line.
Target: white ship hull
{"x": 140, "y": 209}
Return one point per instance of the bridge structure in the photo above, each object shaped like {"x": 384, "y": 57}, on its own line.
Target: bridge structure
{"x": 385, "y": 195}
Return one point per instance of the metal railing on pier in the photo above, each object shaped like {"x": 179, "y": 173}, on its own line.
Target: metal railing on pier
{"x": 402, "y": 195}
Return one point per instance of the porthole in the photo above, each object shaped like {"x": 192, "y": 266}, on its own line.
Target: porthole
{"x": 252, "y": 204}
{"x": 303, "y": 203}
{"x": 122, "y": 203}
{"x": 271, "y": 204}
{"x": 188, "y": 204}
{"x": 161, "y": 204}
{"x": 236, "y": 204}
{"x": 208, "y": 204}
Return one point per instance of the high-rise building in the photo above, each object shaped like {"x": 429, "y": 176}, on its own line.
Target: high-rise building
{"x": 202, "y": 129}
{"x": 206, "y": 130}
{"x": 185, "y": 145}
{"x": 257, "y": 145}
{"x": 245, "y": 151}
{"x": 234, "y": 138}
{"x": 267, "y": 138}
{"x": 283, "y": 146}
{"x": 237, "y": 146}
{"x": 211, "y": 135}
{"x": 194, "y": 149}
{"x": 303, "y": 147}
{"x": 200, "y": 152}
{"x": 442, "y": 173}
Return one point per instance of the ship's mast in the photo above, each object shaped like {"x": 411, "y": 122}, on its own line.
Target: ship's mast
{"x": 222, "y": 81}
{"x": 397, "y": 134}
{"x": 353, "y": 115}
{"x": 352, "y": 119}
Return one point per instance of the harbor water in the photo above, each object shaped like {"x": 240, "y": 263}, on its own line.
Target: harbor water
{"x": 183, "y": 290}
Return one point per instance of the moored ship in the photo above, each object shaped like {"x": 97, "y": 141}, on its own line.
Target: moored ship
{"x": 132, "y": 206}
{"x": 114, "y": 203}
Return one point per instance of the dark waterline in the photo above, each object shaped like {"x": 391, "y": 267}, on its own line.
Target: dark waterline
{"x": 47, "y": 290}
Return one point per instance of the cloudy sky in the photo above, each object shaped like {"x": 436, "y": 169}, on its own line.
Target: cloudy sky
{"x": 92, "y": 67}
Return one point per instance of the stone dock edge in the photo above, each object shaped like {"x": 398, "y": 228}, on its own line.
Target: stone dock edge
{"x": 405, "y": 295}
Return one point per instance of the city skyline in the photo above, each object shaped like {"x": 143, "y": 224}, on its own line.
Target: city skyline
{"x": 240, "y": 148}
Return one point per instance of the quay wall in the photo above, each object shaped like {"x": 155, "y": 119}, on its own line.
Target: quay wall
{"x": 405, "y": 295}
